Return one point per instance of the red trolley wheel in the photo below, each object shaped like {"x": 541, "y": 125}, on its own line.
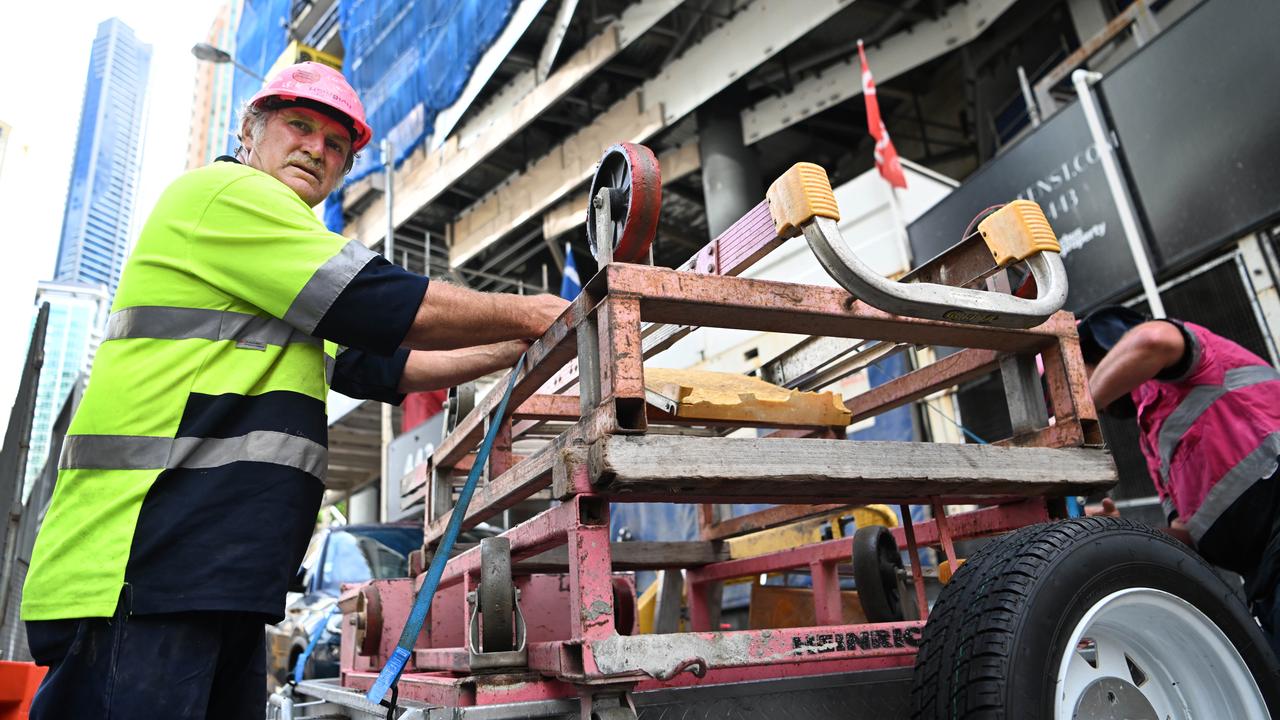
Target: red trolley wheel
{"x": 632, "y": 172}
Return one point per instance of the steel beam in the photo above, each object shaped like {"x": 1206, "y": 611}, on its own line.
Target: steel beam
{"x": 731, "y": 182}
{"x": 895, "y": 55}
{"x": 559, "y": 26}
{"x": 488, "y": 64}
{"x": 751, "y": 37}
{"x": 682, "y": 298}
{"x": 521, "y": 102}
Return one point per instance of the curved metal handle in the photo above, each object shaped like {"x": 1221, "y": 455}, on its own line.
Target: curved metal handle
{"x": 934, "y": 301}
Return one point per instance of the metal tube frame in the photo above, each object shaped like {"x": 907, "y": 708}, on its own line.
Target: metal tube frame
{"x": 602, "y": 330}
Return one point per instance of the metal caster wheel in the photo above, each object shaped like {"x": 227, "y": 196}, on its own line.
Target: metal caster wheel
{"x": 634, "y": 180}
{"x": 497, "y": 596}
{"x": 458, "y": 404}
{"x": 876, "y": 566}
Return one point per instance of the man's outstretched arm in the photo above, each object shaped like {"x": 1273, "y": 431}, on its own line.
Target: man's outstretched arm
{"x": 453, "y": 317}
{"x": 439, "y": 369}
{"x": 1140, "y": 355}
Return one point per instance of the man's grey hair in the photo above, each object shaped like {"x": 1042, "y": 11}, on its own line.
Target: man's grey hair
{"x": 253, "y": 119}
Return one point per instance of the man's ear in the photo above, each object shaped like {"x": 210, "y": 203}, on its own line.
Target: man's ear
{"x": 246, "y": 138}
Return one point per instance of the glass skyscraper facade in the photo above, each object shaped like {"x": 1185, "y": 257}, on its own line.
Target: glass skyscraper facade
{"x": 77, "y": 314}
{"x": 104, "y": 177}
{"x": 96, "y": 223}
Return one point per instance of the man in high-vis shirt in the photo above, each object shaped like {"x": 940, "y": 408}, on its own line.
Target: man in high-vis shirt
{"x": 193, "y": 471}
{"x": 1208, "y": 414}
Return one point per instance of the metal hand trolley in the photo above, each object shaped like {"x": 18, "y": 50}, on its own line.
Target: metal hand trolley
{"x": 1056, "y": 618}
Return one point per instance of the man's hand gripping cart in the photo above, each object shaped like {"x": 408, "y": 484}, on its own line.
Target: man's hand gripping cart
{"x": 542, "y": 621}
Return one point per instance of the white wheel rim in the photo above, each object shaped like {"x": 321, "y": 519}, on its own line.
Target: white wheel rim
{"x": 1160, "y": 647}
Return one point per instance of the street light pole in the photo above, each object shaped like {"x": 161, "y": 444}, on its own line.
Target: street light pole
{"x": 209, "y": 53}
{"x": 389, "y": 250}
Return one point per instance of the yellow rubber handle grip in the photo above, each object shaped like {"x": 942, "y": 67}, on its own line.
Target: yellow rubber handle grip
{"x": 1017, "y": 231}
{"x": 945, "y": 571}
{"x": 798, "y": 196}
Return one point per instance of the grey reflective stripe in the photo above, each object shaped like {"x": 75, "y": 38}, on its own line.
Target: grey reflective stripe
{"x": 114, "y": 452}
{"x": 1180, "y": 421}
{"x": 326, "y": 284}
{"x": 329, "y": 365}
{"x": 1170, "y": 511}
{"x": 175, "y": 323}
{"x": 1259, "y": 464}
{"x": 259, "y": 446}
{"x": 1197, "y": 402}
{"x": 135, "y": 452}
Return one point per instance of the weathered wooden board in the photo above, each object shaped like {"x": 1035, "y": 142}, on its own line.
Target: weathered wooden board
{"x": 824, "y": 471}
{"x": 722, "y": 396}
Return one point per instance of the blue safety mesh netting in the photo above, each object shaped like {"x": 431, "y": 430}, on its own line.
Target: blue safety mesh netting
{"x": 260, "y": 39}
{"x": 410, "y": 60}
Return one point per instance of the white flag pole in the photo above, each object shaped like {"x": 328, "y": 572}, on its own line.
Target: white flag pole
{"x": 1082, "y": 79}
{"x": 900, "y": 227}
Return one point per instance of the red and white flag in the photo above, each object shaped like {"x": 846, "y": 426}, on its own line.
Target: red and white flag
{"x": 886, "y": 156}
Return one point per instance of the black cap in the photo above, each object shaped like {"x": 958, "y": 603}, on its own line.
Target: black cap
{"x": 1103, "y": 328}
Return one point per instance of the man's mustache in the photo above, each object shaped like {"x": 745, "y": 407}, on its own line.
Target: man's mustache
{"x": 307, "y": 163}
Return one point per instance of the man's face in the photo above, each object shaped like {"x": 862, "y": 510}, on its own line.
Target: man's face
{"x": 302, "y": 148}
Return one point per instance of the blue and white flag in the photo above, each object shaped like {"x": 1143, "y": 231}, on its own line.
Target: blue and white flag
{"x": 570, "y": 285}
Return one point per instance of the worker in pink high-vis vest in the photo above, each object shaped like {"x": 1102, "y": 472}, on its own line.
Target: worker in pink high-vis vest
{"x": 1208, "y": 414}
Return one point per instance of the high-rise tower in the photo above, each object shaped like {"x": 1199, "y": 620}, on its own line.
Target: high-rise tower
{"x": 104, "y": 176}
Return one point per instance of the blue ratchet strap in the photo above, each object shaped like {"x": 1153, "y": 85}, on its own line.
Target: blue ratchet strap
{"x": 390, "y": 673}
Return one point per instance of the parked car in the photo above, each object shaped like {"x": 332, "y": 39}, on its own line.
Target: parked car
{"x": 338, "y": 554}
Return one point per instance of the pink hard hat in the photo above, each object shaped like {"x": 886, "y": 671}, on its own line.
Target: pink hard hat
{"x": 321, "y": 84}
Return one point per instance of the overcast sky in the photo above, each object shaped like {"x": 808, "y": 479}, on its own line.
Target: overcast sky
{"x": 44, "y": 59}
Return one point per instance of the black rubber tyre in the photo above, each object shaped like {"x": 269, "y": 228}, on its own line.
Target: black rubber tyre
{"x": 497, "y": 595}
{"x": 876, "y": 562}
{"x": 992, "y": 646}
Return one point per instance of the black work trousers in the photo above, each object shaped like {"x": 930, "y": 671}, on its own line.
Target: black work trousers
{"x": 177, "y": 666}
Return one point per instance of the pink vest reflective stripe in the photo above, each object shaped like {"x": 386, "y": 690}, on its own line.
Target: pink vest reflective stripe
{"x": 1210, "y": 435}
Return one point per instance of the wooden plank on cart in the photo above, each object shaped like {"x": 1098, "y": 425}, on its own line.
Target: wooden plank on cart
{"x": 722, "y": 396}
{"x": 822, "y": 471}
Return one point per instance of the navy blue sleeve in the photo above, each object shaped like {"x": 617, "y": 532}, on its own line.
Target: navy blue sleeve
{"x": 1190, "y": 359}
{"x": 365, "y": 376}
{"x": 375, "y": 310}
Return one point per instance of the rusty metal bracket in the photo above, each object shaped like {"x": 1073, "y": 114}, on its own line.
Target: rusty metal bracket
{"x": 604, "y": 705}
{"x": 496, "y": 660}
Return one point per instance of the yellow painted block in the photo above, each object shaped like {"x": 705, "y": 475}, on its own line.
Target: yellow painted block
{"x": 708, "y": 395}
{"x": 805, "y": 532}
{"x": 646, "y": 607}
{"x": 875, "y": 515}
